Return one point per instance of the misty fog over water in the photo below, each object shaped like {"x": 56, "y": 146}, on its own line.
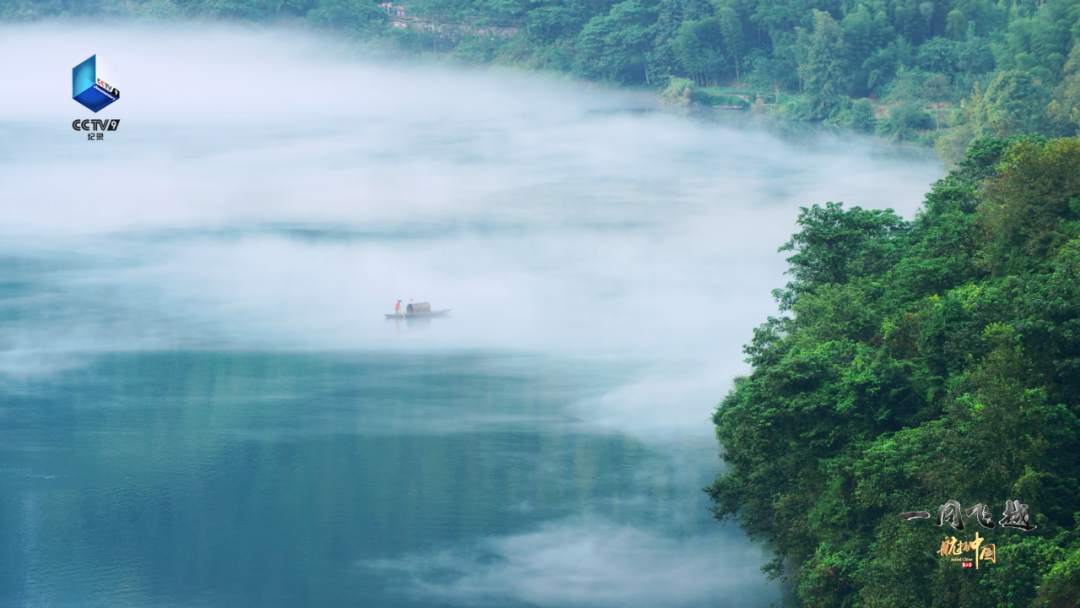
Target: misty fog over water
{"x": 201, "y": 403}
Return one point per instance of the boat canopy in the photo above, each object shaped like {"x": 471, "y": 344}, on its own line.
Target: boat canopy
{"x": 418, "y": 307}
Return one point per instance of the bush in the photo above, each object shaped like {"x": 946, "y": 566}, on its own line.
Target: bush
{"x": 706, "y": 98}
{"x": 677, "y": 93}
{"x": 857, "y": 115}
{"x": 904, "y": 122}
{"x": 794, "y": 108}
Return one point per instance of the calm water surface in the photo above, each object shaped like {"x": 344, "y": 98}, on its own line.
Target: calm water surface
{"x": 258, "y": 479}
{"x": 201, "y": 404}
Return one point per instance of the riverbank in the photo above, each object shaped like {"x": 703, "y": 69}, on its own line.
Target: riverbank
{"x": 926, "y": 125}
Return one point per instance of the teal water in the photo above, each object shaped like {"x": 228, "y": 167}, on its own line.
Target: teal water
{"x": 270, "y": 479}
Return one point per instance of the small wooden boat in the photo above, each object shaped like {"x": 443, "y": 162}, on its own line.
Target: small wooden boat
{"x": 419, "y": 315}
{"x": 419, "y": 310}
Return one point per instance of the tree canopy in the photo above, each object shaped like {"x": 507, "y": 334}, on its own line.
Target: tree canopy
{"x": 921, "y": 362}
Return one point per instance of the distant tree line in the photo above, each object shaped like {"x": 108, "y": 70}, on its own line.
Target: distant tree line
{"x": 944, "y": 72}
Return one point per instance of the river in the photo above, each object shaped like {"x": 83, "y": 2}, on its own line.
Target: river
{"x": 202, "y": 405}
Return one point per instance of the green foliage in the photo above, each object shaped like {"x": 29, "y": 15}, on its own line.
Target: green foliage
{"x": 732, "y": 32}
{"x": 700, "y": 49}
{"x": 710, "y": 98}
{"x": 1033, "y": 206}
{"x": 923, "y": 361}
{"x": 1061, "y": 586}
{"x": 1037, "y": 43}
{"x": 1064, "y": 110}
{"x": 834, "y": 245}
{"x": 613, "y": 46}
{"x": 904, "y": 122}
{"x": 677, "y": 93}
{"x": 952, "y": 145}
{"x": 936, "y": 88}
{"x": 857, "y": 115}
{"x": 1012, "y": 105}
{"x": 822, "y": 64}
{"x": 352, "y": 16}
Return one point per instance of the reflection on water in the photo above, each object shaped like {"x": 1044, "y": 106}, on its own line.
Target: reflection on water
{"x": 417, "y": 323}
{"x": 256, "y": 479}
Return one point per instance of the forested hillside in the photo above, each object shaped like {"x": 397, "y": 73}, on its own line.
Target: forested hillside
{"x": 921, "y": 362}
{"x": 937, "y": 72}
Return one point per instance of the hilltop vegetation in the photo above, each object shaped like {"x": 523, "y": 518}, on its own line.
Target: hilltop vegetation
{"x": 939, "y": 72}
{"x": 920, "y": 362}
{"x": 936, "y": 72}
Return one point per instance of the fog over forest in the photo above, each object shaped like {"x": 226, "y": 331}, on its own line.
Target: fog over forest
{"x": 261, "y": 191}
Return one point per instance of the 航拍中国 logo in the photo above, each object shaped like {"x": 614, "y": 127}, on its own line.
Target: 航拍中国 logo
{"x": 93, "y": 84}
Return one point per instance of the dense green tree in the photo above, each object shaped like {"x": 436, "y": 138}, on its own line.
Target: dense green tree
{"x": 700, "y": 49}
{"x": 353, "y": 16}
{"x": 1064, "y": 110}
{"x": 904, "y": 122}
{"x": 731, "y": 28}
{"x": 835, "y": 244}
{"x": 1033, "y": 207}
{"x": 1039, "y": 43}
{"x": 671, "y": 14}
{"x": 863, "y": 35}
{"x": 920, "y": 362}
{"x": 857, "y": 115}
{"x": 1013, "y": 104}
{"x": 549, "y": 22}
{"x": 823, "y": 63}
{"x": 614, "y": 46}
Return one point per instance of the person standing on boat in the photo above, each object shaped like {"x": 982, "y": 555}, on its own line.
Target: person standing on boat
{"x": 397, "y": 308}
